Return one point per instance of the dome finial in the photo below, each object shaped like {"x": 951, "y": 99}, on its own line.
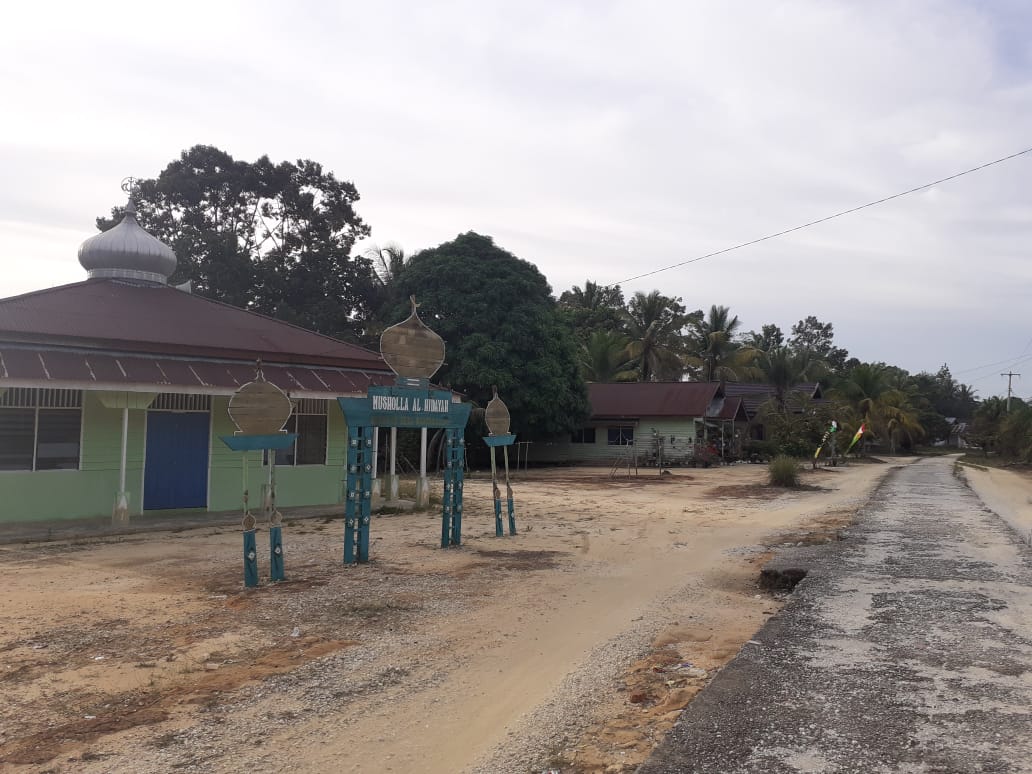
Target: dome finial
{"x": 127, "y": 251}
{"x": 131, "y": 185}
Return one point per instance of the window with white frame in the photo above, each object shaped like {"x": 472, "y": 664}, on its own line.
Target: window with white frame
{"x": 620, "y": 436}
{"x": 583, "y": 435}
{"x": 309, "y": 422}
{"x": 40, "y": 429}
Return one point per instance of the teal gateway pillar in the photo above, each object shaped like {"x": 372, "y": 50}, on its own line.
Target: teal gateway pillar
{"x": 414, "y": 353}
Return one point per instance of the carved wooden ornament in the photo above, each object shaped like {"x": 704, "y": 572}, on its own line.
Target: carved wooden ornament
{"x": 259, "y": 408}
{"x": 497, "y": 415}
{"x": 411, "y": 349}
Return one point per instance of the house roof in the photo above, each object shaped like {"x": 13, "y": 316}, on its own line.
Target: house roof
{"x": 126, "y": 317}
{"x": 733, "y": 410}
{"x": 755, "y": 395}
{"x": 632, "y": 400}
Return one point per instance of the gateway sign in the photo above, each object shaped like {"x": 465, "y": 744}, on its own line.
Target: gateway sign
{"x": 417, "y": 404}
{"x": 409, "y": 407}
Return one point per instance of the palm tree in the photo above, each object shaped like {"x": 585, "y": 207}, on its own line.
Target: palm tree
{"x": 387, "y": 264}
{"x": 596, "y": 307}
{"x": 714, "y": 352}
{"x": 880, "y": 404}
{"x": 655, "y": 325}
{"x": 784, "y": 367}
{"x": 606, "y": 357}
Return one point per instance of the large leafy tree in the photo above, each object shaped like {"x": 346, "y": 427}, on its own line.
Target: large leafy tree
{"x": 714, "y": 353}
{"x": 656, "y": 326}
{"x": 501, "y": 327}
{"x": 769, "y": 337}
{"x": 273, "y": 238}
{"x": 818, "y": 338}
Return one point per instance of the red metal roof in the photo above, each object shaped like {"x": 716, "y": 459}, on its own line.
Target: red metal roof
{"x": 122, "y": 316}
{"x": 733, "y": 409}
{"x": 755, "y": 395}
{"x": 630, "y": 400}
{"x": 40, "y": 366}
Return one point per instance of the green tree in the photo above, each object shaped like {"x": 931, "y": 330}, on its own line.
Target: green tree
{"x": 606, "y": 357}
{"x": 595, "y": 308}
{"x": 656, "y": 325}
{"x": 769, "y": 337}
{"x": 714, "y": 354}
{"x": 783, "y": 368}
{"x": 273, "y": 238}
{"x": 501, "y": 327}
{"x": 886, "y": 409}
{"x": 387, "y": 263}
{"x": 818, "y": 338}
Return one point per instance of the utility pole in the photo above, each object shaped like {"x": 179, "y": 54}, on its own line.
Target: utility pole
{"x": 1009, "y": 376}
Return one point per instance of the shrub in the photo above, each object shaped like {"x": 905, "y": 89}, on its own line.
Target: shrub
{"x": 783, "y": 471}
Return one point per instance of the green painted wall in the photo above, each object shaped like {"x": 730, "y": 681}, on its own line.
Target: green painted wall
{"x": 295, "y": 485}
{"x": 599, "y": 453}
{"x": 91, "y": 490}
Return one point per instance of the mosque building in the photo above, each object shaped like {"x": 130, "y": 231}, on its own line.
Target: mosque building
{"x": 117, "y": 387}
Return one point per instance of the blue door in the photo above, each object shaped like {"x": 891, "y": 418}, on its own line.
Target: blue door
{"x": 176, "y": 471}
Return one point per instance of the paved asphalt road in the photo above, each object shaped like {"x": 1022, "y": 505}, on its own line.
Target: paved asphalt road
{"x": 907, "y": 648}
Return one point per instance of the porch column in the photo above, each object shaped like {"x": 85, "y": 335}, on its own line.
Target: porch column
{"x": 423, "y": 485}
{"x": 120, "y": 515}
{"x": 393, "y": 480}
{"x": 377, "y": 492}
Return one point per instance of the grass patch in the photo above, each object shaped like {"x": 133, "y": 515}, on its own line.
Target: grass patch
{"x": 783, "y": 471}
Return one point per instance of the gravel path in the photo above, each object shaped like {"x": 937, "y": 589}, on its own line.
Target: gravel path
{"x": 907, "y": 648}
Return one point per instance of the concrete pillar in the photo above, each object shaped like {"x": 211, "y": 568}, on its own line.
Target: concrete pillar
{"x": 423, "y": 484}
{"x": 377, "y": 491}
{"x": 120, "y": 514}
{"x": 393, "y": 478}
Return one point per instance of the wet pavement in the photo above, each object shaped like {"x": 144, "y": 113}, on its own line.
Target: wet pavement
{"x": 906, "y": 648}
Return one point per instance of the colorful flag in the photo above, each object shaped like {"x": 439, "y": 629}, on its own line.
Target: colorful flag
{"x": 824, "y": 439}
{"x": 860, "y": 432}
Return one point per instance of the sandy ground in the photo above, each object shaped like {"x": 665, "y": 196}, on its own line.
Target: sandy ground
{"x": 572, "y": 645}
{"x": 1008, "y": 493}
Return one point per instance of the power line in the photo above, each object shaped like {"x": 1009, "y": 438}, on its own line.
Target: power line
{"x": 825, "y": 219}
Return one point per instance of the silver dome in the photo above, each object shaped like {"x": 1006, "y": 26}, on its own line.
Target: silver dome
{"x": 129, "y": 252}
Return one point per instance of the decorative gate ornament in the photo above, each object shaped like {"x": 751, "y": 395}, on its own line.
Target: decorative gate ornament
{"x": 497, "y": 419}
{"x": 259, "y": 410}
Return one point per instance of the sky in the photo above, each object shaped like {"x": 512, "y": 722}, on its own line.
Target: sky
{"x": 598, "y": 140}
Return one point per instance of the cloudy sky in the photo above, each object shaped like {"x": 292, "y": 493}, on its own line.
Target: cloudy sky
{"x": 597, "y": 139}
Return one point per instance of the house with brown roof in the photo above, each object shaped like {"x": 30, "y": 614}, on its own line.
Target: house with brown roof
{"x": 119, "y": 385}
{"x": 668, "y": 423}
{"x": 755, "y": 396}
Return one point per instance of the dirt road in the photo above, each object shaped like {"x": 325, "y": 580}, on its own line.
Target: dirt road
{"x": 907, "y": 648}
{"x": 573, "y": 644}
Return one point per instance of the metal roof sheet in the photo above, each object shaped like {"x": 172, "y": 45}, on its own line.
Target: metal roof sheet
{"x": 160, "y": 320}
{"x": 39, "y": 366}
{"x": 652, "y": 399}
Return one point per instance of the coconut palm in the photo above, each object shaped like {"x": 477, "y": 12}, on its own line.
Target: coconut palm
{"x": 655, "y": 325}
{"x": 882, "y": 406}
{"x": 606, "y": 357}
{"x": 784, "y": 367}
{"x": 596, "y": 307}
{"x": 713, "y": 351}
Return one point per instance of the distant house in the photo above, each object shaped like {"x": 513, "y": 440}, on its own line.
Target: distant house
{"x": 120, "y": 384}
{"x": 754, "y": 396}
{"x": 674, "y": 420}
